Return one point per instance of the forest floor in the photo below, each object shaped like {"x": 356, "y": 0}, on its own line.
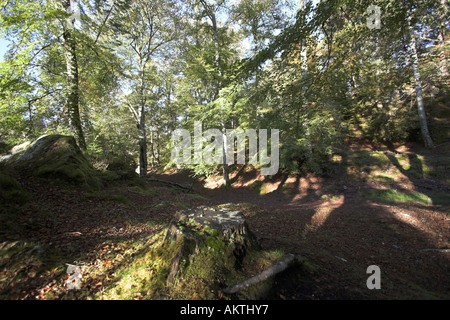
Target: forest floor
{"x": 388, "y": 208}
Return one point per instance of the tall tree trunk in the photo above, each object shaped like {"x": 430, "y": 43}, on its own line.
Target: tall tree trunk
{"x": 441, "y": 37}
{"x": 72, "y": 79}
{"x": 226, "y": 170}
{"x": 212, "y": 15}
{"x": 142, "y": 144}
{"x": 304, "y": 71}
{"x": 419, "y": 92}
{"x": 141, "y": 127}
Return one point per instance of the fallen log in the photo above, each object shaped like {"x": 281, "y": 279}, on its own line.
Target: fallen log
{"x": 445, "y": 250}
{"x": 266, "y": 274}
{"x": 188, "y": 188}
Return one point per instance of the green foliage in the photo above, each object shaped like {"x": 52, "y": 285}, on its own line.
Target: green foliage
{"x": 388, "y": 195}
{"x": 124, "y": 167}
{"x": 190, "y": 62}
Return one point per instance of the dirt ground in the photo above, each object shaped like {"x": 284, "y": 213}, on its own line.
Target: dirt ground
{"x": 327, "y": 221}
{"x": 341, "y": 236}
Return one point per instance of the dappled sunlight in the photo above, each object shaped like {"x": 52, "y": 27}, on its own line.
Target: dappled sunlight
{"x": 324, "y": 211}
{"x": 304, "y": 187}
{"x": 435, "y": 225}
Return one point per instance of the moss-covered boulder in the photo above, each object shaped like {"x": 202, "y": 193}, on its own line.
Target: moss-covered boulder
{"x": 11, "y": 190}
{"x": 56, "y": 157}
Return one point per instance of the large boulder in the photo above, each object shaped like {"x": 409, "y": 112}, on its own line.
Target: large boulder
{"x": 54, "y": 156}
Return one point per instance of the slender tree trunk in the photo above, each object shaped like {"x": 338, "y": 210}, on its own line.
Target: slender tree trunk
{"x": 142, "y": 144}
{"x": 141, "y": 127}
{"x": 441, "y": 37}
{"x": 226, "y": 170}
{"x": 69, "y": 46}
{"x": 158, "y": 148}
{"x": 212, "y": 15}
{"x": 419, "y": 92}
{"x": 304, "y": 70}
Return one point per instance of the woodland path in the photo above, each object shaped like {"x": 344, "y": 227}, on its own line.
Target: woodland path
{"x": 344, "y": 234}
{"x": 328, "y": 221}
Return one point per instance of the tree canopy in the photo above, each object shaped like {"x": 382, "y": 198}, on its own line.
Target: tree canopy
{"x": 122, "y": 75}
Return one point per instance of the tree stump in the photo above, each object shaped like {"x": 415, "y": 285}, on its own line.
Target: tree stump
{"x": 221, "y": 230}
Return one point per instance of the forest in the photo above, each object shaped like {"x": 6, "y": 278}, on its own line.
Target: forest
{"x": 351, "y": 99}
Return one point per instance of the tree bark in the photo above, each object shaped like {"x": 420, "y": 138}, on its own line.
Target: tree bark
{"x": 69, "y": 47}
{"x": 441, "y": 37}
{"x": 419, "y": 91}
{"x": 212, "y": 16}
{"x": 142, "y": 144}
{"x": 304, "y": 71}
{"x": 141, "y": 126}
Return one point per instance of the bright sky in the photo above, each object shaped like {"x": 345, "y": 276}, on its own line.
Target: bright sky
{"x": 4, "y": 43}
{"x": 3, "y": 48}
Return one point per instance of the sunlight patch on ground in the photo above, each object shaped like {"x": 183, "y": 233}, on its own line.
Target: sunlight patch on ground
{"x": 324, "y": 211}
{"x": 427, "y": 221}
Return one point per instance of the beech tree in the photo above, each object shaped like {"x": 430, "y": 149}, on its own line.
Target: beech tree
{"x": 70, "y": 46}
{"x": 145, "y": 29}
{"x": 418, "y": 82}
{"x": 120, "y": 75}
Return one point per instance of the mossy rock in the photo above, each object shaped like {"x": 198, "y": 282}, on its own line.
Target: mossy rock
{"x": 123, "y": 167}
{"x": 56, "y": 157}
{"x": 11, "y": 190}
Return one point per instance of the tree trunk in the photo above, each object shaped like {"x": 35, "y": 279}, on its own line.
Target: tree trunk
{"x": 142, "y": 144}
{"x": 141, "y": 127}
{"x": 72, "y": 79}
{"x": 304, "y": 71}
{"x": 231, "y": 231}
{"x": 226, "y": 170}
{"x": 212, "y": 15}
{"x": 419, "y": 92}
{"x": 441, "y": 36}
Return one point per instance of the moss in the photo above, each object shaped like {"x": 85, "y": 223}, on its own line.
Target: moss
{"x": 109, "y": 176}
{"x": 207, "y": 264}
{"x": 389, "y": 195}
{"x": 384, "y": 178}
{"x": 143, "y": 191}
{"x": 214, "y": 242}
{"x": 57, "y": 157}
{"x": 73, "y": 173}
{"x": 11, "y": 190}
{"x": 22, "y": 260}
{"x": 259, "y": 186}
{"x": 124, "y": 167}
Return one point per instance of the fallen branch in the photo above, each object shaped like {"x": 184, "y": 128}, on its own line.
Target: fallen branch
{"x": 189, "y": 188}
{"x": 266, "y": 274}
{"x": 436, "y": 249}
